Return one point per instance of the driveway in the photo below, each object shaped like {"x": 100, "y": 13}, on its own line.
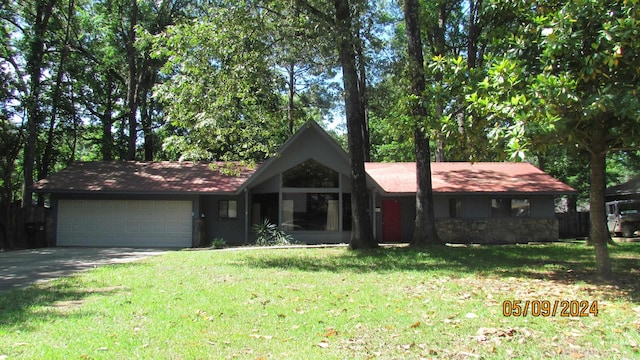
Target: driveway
{"x": 26, "y": 267}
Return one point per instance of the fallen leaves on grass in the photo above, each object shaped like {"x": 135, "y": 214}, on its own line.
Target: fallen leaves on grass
{"x": 496, "y": 335}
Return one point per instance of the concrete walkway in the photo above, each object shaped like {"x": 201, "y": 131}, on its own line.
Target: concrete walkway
{"x": 25, "y": 267}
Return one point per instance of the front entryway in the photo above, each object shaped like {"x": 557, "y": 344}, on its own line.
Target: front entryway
{"x": 391, "y": 221}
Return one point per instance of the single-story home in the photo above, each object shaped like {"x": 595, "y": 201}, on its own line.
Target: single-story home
{"x": 305, "y": 189}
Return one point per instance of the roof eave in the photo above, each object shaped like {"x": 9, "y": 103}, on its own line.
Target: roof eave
{"x": 122, "y": 192}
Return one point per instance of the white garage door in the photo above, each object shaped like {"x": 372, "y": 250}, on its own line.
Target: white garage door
{"x": 130, "y": 223}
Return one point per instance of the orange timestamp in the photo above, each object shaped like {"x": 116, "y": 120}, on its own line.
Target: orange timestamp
{"x": 546, "y": 308}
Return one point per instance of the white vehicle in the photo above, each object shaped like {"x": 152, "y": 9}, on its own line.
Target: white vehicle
{"x": 623, "y": 217}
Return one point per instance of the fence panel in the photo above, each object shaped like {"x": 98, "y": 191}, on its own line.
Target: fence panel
{"x": 573, "y": 225}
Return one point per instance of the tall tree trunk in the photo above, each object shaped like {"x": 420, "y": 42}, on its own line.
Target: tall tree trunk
{"x": 106, "y": 144}
{"x": 362, "y": 232}
{"x": 425, "y": 228}
{"x": 132, "y": 85}
{"x": 364, "y": 98}
{"x": 474, "y": 60}
{"x": 475, "y": 6}
{"x": 599, "y": 233}
{"x": 439, "y": 45}
{"x": 425, "y": 232}
{"x": 292, "y": 92}
{"x": 147, "y": 129}
{"x": 35, "y": 59}
{"x": 64, "y": 54}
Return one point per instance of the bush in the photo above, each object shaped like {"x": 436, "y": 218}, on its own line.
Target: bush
{"x": 218, "y": 243}
{"x": 269, "y": 234}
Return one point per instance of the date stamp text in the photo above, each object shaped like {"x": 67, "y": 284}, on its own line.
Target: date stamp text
{"x": 546, "y": 308}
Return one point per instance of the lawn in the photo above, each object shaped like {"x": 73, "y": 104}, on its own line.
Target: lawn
{"x": 331, "y": 303}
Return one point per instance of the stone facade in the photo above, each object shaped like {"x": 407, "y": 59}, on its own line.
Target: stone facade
{"x": 497, "y": 231}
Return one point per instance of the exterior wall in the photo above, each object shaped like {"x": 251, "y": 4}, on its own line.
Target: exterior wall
{"x": 408, "y": 213}
{"x": 321, "y": 237}
{"x": 543, "y": 207}
{"x": 497, "y": 231}
{"x": 479, "y": 206}
{"x": 231, "y": 230}
{"x": 476, "y": 224}
{"x": 271, "y": 185}
{"x": 307, "y": 146}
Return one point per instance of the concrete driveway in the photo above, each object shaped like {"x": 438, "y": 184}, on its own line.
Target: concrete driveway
{"x": 26, "y": 267}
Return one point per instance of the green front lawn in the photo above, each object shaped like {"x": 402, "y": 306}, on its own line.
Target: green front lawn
{"x": 397, "y": 303}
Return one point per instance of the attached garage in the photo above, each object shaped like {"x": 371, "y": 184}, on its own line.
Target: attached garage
{"x": 128, "y": 223}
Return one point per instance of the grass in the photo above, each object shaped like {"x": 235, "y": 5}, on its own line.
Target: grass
{"x": 393, "y": 303}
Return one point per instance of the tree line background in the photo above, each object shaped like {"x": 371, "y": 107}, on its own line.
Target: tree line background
{"x": 554, "y": 83}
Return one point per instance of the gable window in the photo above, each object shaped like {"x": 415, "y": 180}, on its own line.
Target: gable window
{"x": 455, "y": 208}
{"x": 508, "y": 207}
{"x": 310, "y": 174}
{"x": 227, "y": 209}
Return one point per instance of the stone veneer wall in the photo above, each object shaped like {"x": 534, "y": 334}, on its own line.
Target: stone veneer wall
{"x": 497, "y": 231}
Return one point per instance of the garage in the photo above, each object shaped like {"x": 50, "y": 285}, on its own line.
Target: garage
{"x": 128, "y": 223}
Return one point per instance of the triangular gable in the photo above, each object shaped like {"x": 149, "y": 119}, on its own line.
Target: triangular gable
{"x": 309, "y": 142}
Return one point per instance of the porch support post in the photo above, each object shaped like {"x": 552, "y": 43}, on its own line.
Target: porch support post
{"x": 246, "y": 215}
{"x": 373, "y": 213}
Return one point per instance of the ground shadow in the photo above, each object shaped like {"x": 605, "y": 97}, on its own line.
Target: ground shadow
{"x": 48, "y": 301}
{"x": 566, "y": 263}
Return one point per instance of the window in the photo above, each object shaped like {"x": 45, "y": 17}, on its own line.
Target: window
{"x": 455, "y": 208}
{"x": 310, "y": 174}
{"x": 227, "y": 209}
{"x": 506, "y": 207}
{"x": 310, "y": 212}
{"x": 629, "y": 208}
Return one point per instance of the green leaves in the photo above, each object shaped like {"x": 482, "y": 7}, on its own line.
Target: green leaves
{"x": 223, "y": 92}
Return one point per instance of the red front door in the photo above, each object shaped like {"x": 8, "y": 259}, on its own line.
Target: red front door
{"x": 391, "y": 221}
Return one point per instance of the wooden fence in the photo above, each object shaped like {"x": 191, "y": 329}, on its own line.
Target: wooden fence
{"x": 22, "y": 228}
{"x": 572, "y": 225}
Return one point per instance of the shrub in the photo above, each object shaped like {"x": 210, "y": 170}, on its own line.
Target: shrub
{"x": 269, "y": 234}
{"x": 218, "y": 243}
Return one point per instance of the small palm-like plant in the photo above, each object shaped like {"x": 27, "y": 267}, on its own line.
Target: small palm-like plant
{"x": 268, "y": 234}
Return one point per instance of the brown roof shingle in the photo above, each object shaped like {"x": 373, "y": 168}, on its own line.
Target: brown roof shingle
{"x": 223, "y": 177}
{"x": 147, "y": 177}
{"x": 464, "y": 177}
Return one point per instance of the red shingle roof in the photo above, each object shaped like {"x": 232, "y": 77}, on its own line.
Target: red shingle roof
{"x": 147, "y": 177}
{"x": 459, "y": 177}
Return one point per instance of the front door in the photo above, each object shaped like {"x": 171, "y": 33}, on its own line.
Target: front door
{"x": 391, "y": 221}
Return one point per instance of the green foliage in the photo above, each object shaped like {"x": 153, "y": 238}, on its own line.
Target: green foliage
{"x": 222, "y": 97}
{"x": 268, "y": 234}
{"x": 590, "y": 54}
{"x": 564, "y": 90}
{"x": 218, "y": 243}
